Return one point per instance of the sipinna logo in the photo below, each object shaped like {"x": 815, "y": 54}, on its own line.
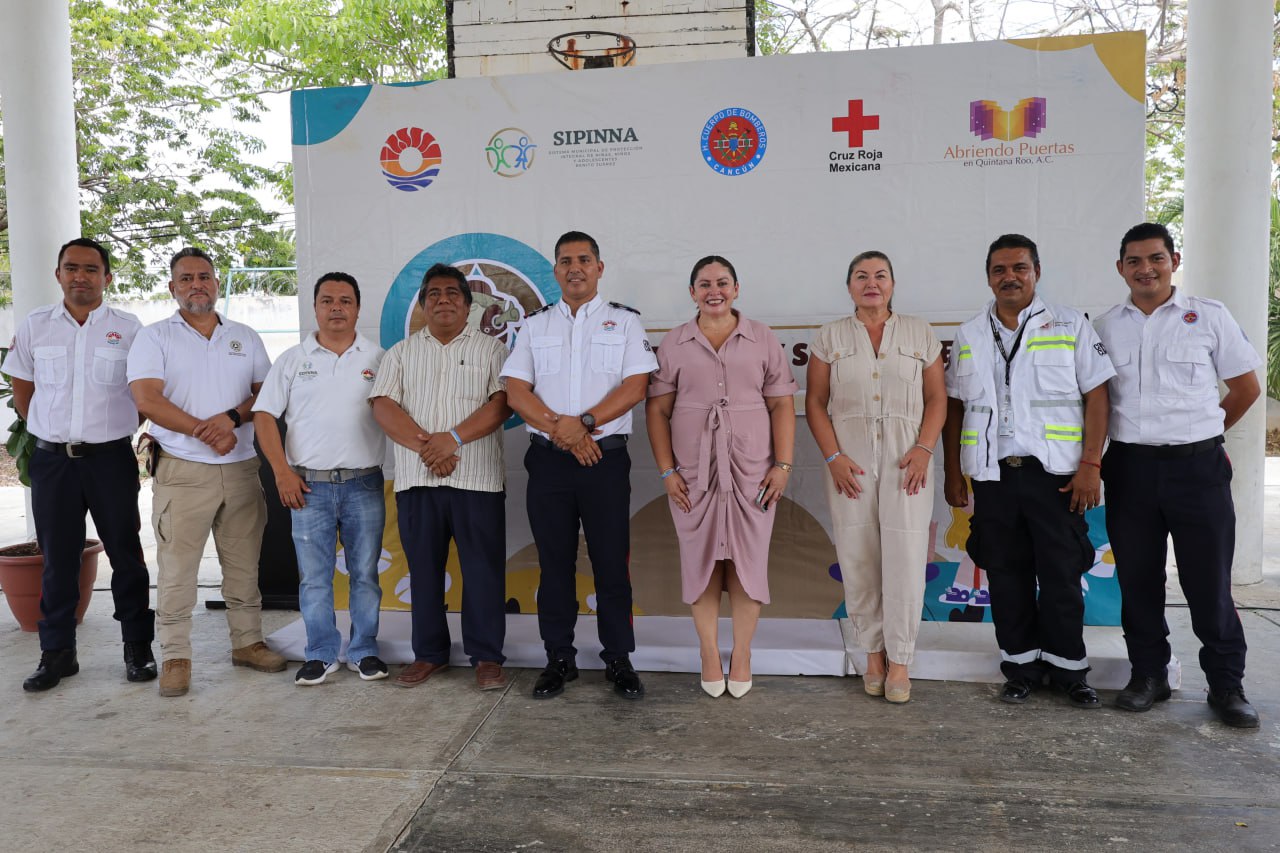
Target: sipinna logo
{"x": 410, "y": 159}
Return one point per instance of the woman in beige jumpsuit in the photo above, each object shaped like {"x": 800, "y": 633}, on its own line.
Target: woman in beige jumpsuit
{"x": 875, "y": 404}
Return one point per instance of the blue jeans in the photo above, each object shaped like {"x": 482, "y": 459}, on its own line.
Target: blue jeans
{"x": 354, "y": 510}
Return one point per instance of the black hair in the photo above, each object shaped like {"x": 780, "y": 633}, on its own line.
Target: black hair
{"x": 578, "y": 237}
{"x": 1014, "y": 241}
{"x": 444, "y": 271}
{"x": 1147, "y": 231}
{"x": 344, "y": 278}
{"x": 86, "y": 243}
{"x": 707, "y": 261}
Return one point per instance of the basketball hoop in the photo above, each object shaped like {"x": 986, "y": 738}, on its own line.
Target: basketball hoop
{"x": 592, "y": 49}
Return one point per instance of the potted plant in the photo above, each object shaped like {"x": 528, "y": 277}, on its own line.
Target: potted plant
{"x": 22, "y": 565}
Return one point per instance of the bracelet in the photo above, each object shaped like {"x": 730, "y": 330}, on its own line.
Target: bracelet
{"x": 666, "y": 473}
{"x": 832, "y": 457}
{"x": 1094, "y": 464}
{"x": 456, "y": 437}
{"x": 925, "y": 449}
{"x": 785, "y": 466}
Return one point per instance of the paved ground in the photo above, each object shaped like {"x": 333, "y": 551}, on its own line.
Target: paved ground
{"x": 247, "y": 761}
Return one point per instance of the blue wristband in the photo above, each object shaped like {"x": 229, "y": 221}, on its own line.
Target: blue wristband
{"x": 832, "y": 457}
{"x": 667, "y": 473}
{"x": 454, "y": 433}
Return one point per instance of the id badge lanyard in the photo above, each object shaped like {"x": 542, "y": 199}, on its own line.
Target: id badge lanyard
{"x": 1006, "y": 397}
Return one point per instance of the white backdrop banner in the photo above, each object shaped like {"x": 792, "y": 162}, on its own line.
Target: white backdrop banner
{"x": 786, "y": 165}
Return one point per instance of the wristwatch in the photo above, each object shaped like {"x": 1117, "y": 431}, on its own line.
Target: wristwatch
{"x": 235, "y": 417}
{"x": 588, "y": 420}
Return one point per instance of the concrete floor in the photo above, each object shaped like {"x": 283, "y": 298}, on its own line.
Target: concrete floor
{"x": 247, "y": 761}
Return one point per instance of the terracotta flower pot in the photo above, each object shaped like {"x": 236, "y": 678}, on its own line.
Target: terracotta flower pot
{"x": 21, "y": 567}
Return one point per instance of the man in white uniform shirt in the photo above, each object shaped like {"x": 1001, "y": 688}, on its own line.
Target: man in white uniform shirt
{"x": 578, "y": 367}
{"x": 1026, "y": 421}
{"x": 1167, "y": 473}
{"x": 439, "y": 399}
{"x": 68, "y": 370}
{"x": 195, "y": 375}
{"x": 329, "y": 474}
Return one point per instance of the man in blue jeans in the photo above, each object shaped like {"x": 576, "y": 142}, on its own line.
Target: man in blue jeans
{"x": 328, "y": 472}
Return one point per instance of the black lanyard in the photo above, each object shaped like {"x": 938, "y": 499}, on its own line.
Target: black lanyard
{"x": 1017, "y": 342}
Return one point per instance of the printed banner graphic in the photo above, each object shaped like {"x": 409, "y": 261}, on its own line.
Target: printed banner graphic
{"x": 788, "y": 166}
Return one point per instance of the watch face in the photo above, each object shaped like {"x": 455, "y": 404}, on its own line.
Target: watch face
{"x": 589, "y": 420}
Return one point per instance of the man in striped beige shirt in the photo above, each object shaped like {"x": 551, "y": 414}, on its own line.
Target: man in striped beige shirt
{"x": 438, "y": 397}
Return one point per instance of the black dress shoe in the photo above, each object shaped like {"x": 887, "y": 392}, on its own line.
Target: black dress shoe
{"x": 626, "y": 681}
{"x": 1142, "y": 692}
{"x": 1232, "y": 708}
{"x": 1017, "y": 691}
{"x": 55, "y": 665}
{"x": 1080, "y": 694}
{"x": 139, "y": 663}
{"x": 551, "y": 682}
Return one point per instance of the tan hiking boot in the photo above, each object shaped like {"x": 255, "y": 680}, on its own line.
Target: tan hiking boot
{"x": 175, "y": 677}
{"x": 258, "y": 657}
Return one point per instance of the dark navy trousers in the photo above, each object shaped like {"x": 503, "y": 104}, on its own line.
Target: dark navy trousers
{"x": 562, "y": 495}
{"x": 430, "y": 516}
{"x": 1151, "y": 497}
{"x": 105, "y": 484}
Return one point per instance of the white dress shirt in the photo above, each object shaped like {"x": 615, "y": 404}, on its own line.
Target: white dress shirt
{"x": 574, "y": 360}
{"x": 79, "y": 373}
{"x": 323, "y": 397}
{"x": 203, "y": 377}
{"x": 1167, "y": 368}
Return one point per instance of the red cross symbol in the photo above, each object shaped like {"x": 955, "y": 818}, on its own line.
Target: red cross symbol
{"x": 854, "y": 124}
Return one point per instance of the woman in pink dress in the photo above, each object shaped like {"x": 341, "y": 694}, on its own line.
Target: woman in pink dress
{"x": 722, "y": 425}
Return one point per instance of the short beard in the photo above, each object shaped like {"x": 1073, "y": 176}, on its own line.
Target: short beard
{"x": 192, "y": 308}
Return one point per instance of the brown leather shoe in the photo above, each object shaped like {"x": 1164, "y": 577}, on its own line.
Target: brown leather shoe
{"x": 489, "y": 675}
{"x": 175, "y": 677}
{"x": 418, "y": 672}
{"x": 259, "y": 657}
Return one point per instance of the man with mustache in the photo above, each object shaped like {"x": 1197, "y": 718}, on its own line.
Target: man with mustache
{"x": 68, "y": 369}
{"x": 439, "y": 398}
{"x": 328, "y": 472}
{"x": 195, "y": 375}
{"x": 1167, "y": 473}
{"x": 578, "y": 367}
{"x": 1026, "y": 421}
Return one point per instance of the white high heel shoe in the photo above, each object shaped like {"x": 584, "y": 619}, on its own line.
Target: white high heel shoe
{"x": 713, "y": 689}
{"x": 738, "y": 689}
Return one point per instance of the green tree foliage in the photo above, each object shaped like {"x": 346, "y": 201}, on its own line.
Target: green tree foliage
{"x": 157, "y": 84}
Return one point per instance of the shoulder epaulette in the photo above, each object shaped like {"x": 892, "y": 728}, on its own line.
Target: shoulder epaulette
{"x": 623, "y": 307}
{"x": 539, "y": 311}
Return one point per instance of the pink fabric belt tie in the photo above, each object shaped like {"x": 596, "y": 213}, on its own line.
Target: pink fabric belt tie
{"x": 717, "y": 416}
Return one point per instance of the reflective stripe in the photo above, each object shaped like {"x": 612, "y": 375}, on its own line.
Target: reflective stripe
{"x": 965, "y": 352}
{"x": 1063, "y": 663}
{"x": 1053, "y": 404}
{"x": 969, "y": 436}
{"x": 1038, "y": 347}
{"x": 1022, "y": 657}
{"x": 1063, "y": 432}
{"x": 1052, "y": 342}
{"x": 986, "y": 410}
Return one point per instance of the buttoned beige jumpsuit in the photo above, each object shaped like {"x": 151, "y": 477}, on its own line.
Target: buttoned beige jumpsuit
{"x": 882, "y": 536}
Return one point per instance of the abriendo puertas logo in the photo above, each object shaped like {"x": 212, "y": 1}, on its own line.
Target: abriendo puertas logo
{"x": 988, "y": 121}
{"x": 410, "y": 159}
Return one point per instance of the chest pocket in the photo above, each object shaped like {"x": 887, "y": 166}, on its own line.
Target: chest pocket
{"x": 51, "y": 365}
{"x": 1186, "y": 369}
{"x": 843, "y": 366}
{"x": 606, "y": 353}
{"x": 547, "y": 355}
{"x": 910, "y": 364}
{"x": 968, "y": 385}
{"x": 109, "y": 365}
{"x": 1056, "y": 371}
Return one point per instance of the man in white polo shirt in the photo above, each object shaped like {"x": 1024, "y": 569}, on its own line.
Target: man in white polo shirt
{"x": 439, "y": 399}
{"x": 195, "y": 375}
{"x": 67, "y": 367}
{"x": 329, "y": 474}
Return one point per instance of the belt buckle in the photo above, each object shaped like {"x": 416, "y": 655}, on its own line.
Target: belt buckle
{"x": 1013, "y": 461}
{"x": 335, "y": 476}
{"x": 71, "y": 447}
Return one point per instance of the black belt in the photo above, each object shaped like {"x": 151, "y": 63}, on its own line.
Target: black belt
{"x": 1168, "y": 451}
{"x": 76, "y": 449}
{"x": 1021, "y": 462}
{"x": 609, "y": 442}
{"x": 334, "y": 475}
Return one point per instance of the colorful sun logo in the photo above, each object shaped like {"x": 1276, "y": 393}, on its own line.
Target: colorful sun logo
{"x": 113, "y": 338}
{"x": 410, "y": 159}
{"x": 367, "y": 375}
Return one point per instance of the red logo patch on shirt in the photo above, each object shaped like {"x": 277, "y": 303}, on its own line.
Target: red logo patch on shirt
{"x": 608, "y": 325}
{"x": 1190, "y": 317}
{"x": 113, "y": 338}
{"x": 367, "y": 375}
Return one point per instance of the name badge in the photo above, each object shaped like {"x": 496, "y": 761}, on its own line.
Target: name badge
{"x": 1006, "y": 416}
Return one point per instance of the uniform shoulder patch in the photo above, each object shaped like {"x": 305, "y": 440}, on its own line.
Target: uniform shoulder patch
{"x": 539, "y": 311}
{"x": 623, "y": 307}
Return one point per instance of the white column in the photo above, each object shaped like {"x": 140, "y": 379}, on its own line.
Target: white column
{"x": 1227, "y": 218}
{"x": 41, "y": 178}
